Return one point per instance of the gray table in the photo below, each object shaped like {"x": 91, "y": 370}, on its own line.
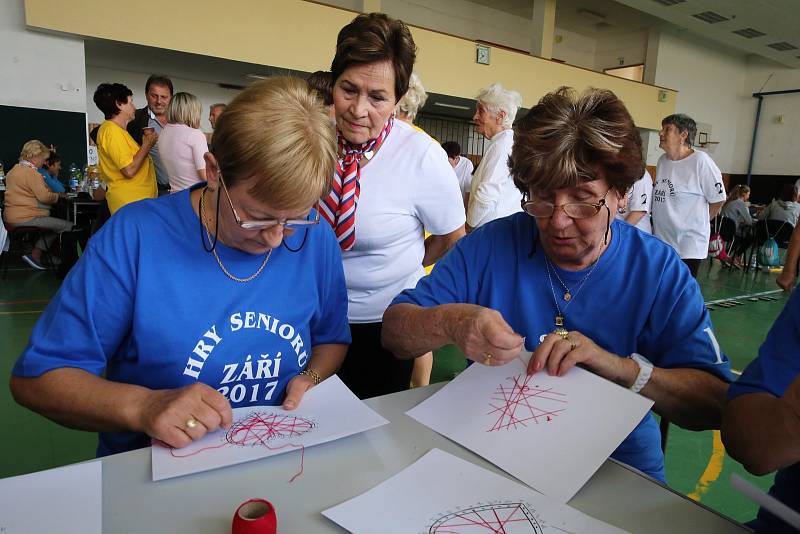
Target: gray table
{"x": 334, "y": 472}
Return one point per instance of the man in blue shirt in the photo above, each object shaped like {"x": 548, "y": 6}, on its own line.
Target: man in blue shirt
{"x": 761, "y": 427}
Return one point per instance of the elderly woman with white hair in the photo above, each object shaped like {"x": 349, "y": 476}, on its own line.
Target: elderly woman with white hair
{"x": 181, "y": 144}
{"x": 412, "y": 101}
{"x": 493, "y": 194}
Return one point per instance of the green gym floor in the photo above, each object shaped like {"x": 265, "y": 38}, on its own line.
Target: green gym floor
{"x": 696, "y": 461}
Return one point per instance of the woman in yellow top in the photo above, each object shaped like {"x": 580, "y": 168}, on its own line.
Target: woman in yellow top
{"x": 126, "y": 166}
{"x": 27, "y": 200}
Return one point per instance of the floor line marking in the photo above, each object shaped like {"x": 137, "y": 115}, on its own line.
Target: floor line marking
{"x": 747, "y": 296}
{"x": 713, "y": 469}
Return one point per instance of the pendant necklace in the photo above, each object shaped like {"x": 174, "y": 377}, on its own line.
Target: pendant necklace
{"x": 568, "y": 296}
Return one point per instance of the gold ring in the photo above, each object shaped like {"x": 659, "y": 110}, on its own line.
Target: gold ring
{"x": 572, "y": 345}
{"x": 487, "y": 357}
{"x": 564, "y": 334}
{"x": 191, "y": 423}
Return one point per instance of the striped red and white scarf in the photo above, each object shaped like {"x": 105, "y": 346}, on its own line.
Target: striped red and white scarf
{"x": 339, "y": 207}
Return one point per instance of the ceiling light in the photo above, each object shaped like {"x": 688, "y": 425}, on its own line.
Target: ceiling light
{"x": 454, "y": 106}
{"x": 749, "y": 33}
{"x": 710, "y": 17}
{"x": 669, "y": 2}
{"x": 782, "y": 46}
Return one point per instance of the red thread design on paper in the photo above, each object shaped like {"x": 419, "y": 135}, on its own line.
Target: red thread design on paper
{"x": 257, "y": 429}
{"x": 506, "y": 518}
{"x": 520, "y": 403}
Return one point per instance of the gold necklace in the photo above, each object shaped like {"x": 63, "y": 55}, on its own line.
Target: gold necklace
{"x": 559, "y": 320}
{"x": 214, "y": 249}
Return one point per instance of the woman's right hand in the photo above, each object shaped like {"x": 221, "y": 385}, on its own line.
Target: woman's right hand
{"x": 149, "y": 138}
{"x": 484, "y": 336}
{"x": 164, "y": 414}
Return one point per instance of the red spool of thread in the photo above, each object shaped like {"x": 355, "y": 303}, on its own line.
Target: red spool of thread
{"x": 255, "y": 516}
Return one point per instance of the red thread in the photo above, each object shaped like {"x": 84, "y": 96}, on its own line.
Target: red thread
{"x": 256, "y": 430}
{"x": 515, "y": 407}
{"x": 256, "y": 516}
{"x": 494, "y": 518}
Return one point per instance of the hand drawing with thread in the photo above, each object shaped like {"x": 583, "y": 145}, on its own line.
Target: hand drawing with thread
{"x": 516, "y": 404}
{"x": 258, "y": 429}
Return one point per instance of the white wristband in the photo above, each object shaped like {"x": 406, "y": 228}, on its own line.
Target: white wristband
{"x": 645, "y": 370}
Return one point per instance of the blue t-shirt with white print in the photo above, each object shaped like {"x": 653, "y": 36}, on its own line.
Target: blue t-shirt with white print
{"x": 775, "y": 368}
{"x": 147, "y": 305}
{"x": 639, "y": 298}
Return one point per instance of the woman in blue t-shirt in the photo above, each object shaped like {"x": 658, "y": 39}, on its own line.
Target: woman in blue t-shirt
{"x": 761, "y": 427}
{"x": 570, "y": 283}
{"x": 225, "y": 295}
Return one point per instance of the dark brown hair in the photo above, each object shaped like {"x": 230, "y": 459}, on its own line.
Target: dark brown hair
{"x": 374, "y": 37}
{"x": 320, "y": 82}
{"x": 108, "y": 95}
{"x": 789, "y": 193}
{"x": 567, "y": 139}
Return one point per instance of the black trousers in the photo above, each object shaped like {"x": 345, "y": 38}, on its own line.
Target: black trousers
{"x": 693, "y": 265}
{"x": 369, "y": 370}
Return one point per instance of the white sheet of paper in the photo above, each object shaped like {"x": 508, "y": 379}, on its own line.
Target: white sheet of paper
{"x": 443, "y": 494}
{"x": 552, "y": 433}
{"x": 327, "y": 412}
{"x": 67, "y": 500}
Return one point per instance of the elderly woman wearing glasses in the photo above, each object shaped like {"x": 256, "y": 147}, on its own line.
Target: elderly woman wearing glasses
{"x": 572, "y": 284}
{"x": 225, "y": 295}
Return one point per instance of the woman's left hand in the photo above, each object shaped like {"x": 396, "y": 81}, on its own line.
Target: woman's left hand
{"x": 295, "y": 390}
{"x": 558, "y": 355}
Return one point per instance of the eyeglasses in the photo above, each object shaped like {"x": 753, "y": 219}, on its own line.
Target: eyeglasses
{"x": 576, "y": 210}
{"x": 262, "y": 224}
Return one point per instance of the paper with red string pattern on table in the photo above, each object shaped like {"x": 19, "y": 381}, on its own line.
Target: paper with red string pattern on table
{"x": 328, "y": 411}
{"x": 551, "y": 433}
{"x": 443, "y": 494}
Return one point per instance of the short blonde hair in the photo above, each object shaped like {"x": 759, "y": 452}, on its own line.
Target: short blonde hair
{"x": 34, "y": 148}
{"x": 184, "y": 108}
{"x": 414, "y": 98}
{"x": 277, "y": 136}
{"x": 496, "y": 99}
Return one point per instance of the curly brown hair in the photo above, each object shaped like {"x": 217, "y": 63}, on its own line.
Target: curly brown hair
{"x": 374, "y": 37}
{"x": 570, "y": 138}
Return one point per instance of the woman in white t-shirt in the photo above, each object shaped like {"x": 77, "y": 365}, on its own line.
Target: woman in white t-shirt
{"x": 181, "y": 144}
{"x": 391, "y": 181}
{"x": 638, "y": 204}
{"x": 688, "y": 191}
{"x": 492, "y": 193}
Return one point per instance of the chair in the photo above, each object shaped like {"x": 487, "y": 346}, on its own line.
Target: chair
{"x": 780, "y": 231}
{"x": 18, "y": 236}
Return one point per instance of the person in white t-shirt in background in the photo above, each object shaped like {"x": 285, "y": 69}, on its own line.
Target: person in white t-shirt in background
{"x": 636, "y": 210}
{"x": 493, "y": 194}
{"x": 688, "y": 191}
{"x": 462, "y": 166}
